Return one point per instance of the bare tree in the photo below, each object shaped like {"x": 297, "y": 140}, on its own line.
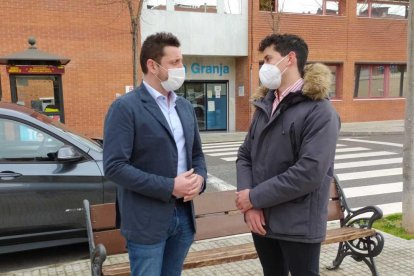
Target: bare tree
{"x": 135, "y": 9}
{"x": 276, "y": 8}
{"x": 408, "y": 151}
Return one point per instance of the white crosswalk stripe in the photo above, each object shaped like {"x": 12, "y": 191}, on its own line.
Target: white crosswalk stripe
{"x": 221, "y": 146}
{"x": 379, "y": 189}
{"x": 375, "y": 165}
{"x": 358, "y": 164}
{"x": 369, "y": 174}
{"x": 351, "y": 149}
{"x": 218, "y": 150}
{"x": 361, "y": 155}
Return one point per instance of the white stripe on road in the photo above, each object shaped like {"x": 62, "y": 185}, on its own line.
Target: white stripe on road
{"x": 233, "y": 151}
{"x": 351, "y": 149}
{"x": 238, "y": 144}
{"x": 218, "y": 150}
{"x": 337, "y": 157}
{"x": 366, "y": 154}
{"x": 222, "y": 143}
{"x": 373, "y": 142}
{"x": 340, "y": 145}
{"x": 379, "y": 189}
{"x": 229, "y": 159}
{"x": 369, "y": 174}
{"x": 375, "y": 162}
{"x": 218, "y": 183}
{"x": 223, "y": 153}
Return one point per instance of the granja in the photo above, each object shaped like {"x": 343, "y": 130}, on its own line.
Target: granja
{"x": 220, "y": 69}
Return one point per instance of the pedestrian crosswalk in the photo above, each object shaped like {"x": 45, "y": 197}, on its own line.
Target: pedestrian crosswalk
{"x": 367, "y": 170}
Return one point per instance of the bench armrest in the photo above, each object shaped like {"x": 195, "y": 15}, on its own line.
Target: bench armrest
{"x": 354, "y": 218}
{"x": 97, "y": 253}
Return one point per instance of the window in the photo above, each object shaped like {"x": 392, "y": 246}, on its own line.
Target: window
{"x": 209, "y": 6}
{"x": 156, "y": 4}
{"x": 397, "y": 9}
{"x": 320, "y": 7}
{"x": 380, "y": 81}
{"x": 336, "y": 70}
{"x": 22, "y": 143}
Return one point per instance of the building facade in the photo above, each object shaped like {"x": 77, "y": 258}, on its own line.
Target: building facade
{"x": 363, "y": 42}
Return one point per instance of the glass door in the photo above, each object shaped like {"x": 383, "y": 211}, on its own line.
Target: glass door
{"x": 216, "y": 106}
{"x": 209, "y": 100}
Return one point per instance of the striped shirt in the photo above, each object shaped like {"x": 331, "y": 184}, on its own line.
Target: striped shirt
{"x": 297, "y": 86}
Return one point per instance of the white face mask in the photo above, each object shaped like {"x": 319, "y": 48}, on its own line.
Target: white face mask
{"x": 270, "y": 75}
{"x": 176, "y": 77}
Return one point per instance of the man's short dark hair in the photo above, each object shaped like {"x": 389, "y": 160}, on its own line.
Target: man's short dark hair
{"x": 285, "y": 43}
{"x": 153, "y": 48}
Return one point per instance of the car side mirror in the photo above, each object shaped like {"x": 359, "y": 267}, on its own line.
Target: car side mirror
{"x": 69, "y": 154}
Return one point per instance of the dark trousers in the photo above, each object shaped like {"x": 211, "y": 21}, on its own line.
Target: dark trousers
{"x": 279, "y": 257}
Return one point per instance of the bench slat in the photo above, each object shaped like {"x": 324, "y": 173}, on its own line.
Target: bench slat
{"x": 210, "y": 203}
{"x": 121, "y": 269}
{"x": 103, "y": 216}
{"x": 220, "y": 225}
{"x": 113, "y": 241}
{"x": 347, "y": 234}
{"x": 334, "y": 210}
{"x": 221, "y": 255}
{"x": 333, "y": 193}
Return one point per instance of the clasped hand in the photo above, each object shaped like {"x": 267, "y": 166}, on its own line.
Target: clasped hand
{"x": 254, "y": 217}
{"x": 188, "y": 185}
{"x": 243, "y": 200}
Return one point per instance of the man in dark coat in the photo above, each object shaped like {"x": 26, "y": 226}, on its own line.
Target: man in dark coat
{"x": 285, "y": 165}
{"x": 152, "y": 151}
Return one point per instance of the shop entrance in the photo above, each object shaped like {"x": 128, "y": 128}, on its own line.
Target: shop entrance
{"x": 209, "y": 100}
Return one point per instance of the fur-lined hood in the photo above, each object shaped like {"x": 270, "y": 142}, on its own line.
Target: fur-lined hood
{"x": 317, "y": 80}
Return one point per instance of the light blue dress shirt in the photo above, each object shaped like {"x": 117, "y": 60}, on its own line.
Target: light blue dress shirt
{"x": 171, "y": 115}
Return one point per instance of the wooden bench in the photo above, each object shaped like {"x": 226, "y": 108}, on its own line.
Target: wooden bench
{"x": 217, "y": 216}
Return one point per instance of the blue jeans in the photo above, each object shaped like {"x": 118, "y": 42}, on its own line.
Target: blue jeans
{"x": 166, "y": 257}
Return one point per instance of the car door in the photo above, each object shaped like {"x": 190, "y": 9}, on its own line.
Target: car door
{"x": 39, "y": 194}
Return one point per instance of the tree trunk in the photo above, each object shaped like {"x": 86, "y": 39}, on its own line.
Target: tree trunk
{"x": 408, "y": 151}
{"x": 135, "y": 51}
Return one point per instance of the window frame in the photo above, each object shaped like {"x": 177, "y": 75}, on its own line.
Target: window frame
{"x": 386, "y": 81}
{"x": 389, "y": 2}
{"x": 275, "y": 8}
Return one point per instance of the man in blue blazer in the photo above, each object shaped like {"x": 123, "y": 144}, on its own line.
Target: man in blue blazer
{"x": 152, "y": 151}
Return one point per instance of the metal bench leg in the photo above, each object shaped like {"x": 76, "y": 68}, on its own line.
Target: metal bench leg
{"x": 371, "y": 264}
{"x": 343, "y": 251}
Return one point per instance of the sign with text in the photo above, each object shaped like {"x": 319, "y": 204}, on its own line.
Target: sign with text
{"x": 35, "y": 69}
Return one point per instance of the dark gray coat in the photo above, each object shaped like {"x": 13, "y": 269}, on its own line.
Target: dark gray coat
{"x": 287, "y": 160}
{"x": 140, "y": 156}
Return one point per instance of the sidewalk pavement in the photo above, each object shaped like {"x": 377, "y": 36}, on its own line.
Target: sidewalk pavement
{"x": 396, "y": 258}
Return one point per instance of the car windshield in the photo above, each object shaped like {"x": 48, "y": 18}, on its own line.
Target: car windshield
{"x": 58, "y": 126}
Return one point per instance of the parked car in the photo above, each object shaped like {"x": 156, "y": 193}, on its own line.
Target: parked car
{"x": 46, "y": 170}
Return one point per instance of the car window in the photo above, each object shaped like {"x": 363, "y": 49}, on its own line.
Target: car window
{"x": 22, "y": 143}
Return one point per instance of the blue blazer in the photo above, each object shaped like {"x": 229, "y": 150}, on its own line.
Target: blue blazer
{"x": 140, "y": 156}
